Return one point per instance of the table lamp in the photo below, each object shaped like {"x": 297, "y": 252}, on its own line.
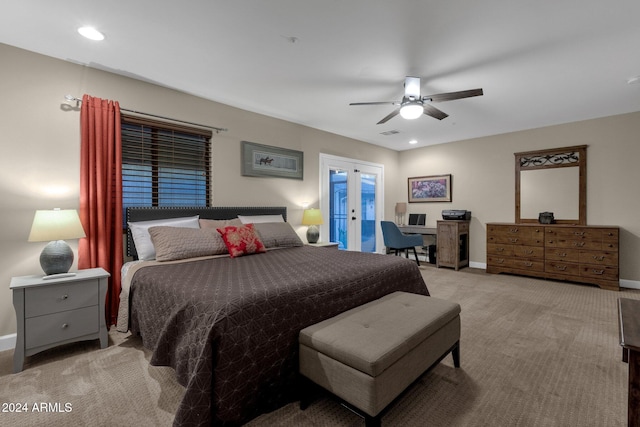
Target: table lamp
{"x": 401, "y": 209}
{"x": 312, "y": 218}
{"x": 54, "y": 226}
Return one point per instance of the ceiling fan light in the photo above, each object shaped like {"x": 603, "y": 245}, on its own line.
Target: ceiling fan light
{"x": 91, "y": 33}
{"x": 411, "y": 111}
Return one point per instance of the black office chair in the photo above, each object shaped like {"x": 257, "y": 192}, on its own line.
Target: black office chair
{"x": 395, "y": 240}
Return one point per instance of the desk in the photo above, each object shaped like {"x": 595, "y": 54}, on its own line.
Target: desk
{"x": 418, "y": 229}
{"x": 629, "y": 327}
{"x": 425, "y": 231}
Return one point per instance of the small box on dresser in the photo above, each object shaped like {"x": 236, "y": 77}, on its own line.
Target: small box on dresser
{"x": 55, "y": 311}
{"x": 583, "y": 254}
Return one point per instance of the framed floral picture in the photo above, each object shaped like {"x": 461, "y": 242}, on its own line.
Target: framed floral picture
{"x": 434, "y": 188}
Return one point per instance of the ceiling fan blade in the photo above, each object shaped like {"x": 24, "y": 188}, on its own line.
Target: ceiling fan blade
{"x": 389, "y": 116}
{"x": 450, "y": 96}
{"x": 376, "y": 103}
{"x": 432, "y": 111}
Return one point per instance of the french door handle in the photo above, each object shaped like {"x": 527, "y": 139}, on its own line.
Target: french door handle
{"x": 353, "y": 217}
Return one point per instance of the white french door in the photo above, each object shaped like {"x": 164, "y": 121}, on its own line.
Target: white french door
{"x": 352, "y": 199}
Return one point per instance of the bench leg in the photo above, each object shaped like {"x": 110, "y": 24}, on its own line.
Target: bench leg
{"x": 370, "y": 421}
{"x": 455, "y": 352}
{"x": 306, "y": 392}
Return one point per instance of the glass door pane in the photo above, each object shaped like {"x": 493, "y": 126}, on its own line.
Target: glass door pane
{"x": 338, "y": 207}
{"x": 368, "y": 212}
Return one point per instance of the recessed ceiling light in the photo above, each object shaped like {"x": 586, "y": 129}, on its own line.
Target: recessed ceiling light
{"x": 91, "y": 33}
{"x": 413, "y": 141}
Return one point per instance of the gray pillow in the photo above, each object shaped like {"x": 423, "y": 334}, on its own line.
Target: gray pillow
{"x": 172, "y": 243}
{"x": 277, "y": 234}
{"x": 142, "y": 240}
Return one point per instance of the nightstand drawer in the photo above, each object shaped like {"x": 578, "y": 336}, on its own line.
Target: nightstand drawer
{"x": 61, "y": 297}
{"x": 43, "y": 330}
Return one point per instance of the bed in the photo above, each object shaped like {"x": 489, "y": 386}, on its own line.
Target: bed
{"x": 229, "y": 325}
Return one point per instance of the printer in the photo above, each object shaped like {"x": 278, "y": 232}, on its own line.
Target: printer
{"x": 459, "y": 214}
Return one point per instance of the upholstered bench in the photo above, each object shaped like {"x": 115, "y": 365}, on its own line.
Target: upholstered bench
{"x": 369, "y": 355}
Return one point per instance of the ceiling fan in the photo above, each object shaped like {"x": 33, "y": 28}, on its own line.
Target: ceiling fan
{"x": 413, "y": 105}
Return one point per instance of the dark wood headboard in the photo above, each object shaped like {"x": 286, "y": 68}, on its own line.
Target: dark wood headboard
{"x": 135, "y": 214}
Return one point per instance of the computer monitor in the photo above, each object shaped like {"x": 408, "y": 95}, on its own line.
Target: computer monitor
{"x": 417, "y": 219}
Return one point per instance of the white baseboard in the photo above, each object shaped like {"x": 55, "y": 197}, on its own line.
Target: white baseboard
{"x": 8, "y": 342}
{"x": 482, "y": 265}
{"x": 629, "y": 284}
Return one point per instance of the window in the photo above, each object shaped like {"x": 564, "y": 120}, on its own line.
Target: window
{"x": 164, "y": 164}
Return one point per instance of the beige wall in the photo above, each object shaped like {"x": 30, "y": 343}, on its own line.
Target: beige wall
{"x": 484, "y": 180}
{"x": 39, "y": 164}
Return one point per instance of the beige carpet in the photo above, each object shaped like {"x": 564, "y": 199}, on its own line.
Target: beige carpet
{"x": 534, "y": 353}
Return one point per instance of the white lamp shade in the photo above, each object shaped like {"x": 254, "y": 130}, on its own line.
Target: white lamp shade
{"x": 312, "y": 217}
{"x": 401, "y": 207}
{"x": 56, "y": 224}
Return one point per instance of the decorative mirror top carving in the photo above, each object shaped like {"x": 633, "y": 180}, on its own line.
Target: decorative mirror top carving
{"x": 552, "y": 195}
{"x": 538, "y": 161}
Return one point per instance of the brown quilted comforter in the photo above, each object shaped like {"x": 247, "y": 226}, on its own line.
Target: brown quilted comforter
{"x": 229, "y": 327}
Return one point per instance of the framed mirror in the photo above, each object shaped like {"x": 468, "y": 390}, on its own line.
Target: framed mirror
{"x": 553, "y": 180}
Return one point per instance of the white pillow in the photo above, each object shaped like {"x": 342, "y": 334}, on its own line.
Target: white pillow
{"x": 255, "y": 219}
{"x": 142, "y": 239}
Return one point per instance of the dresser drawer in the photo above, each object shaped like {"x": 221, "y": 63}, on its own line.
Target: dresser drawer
{"x": 560, "y": 267}
{"x": 515, "y": 235}
{"x": 604, "y": 272}
{"x": 499, "y": 249}
{"x": 562, "y": 254}
{"x": 599, "y": 258}
{"x": 515, "y": 263}
{"x": 61, "y": 297}
{"x": 52, "y": 328}
{"x": 572, "y": 243}
{"x": 530, "y": 252}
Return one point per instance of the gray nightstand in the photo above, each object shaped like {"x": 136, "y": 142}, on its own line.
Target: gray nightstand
{"x": 58, "y": 311}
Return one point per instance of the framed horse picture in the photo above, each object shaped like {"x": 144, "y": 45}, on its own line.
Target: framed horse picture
{"x": 265, "y": 160}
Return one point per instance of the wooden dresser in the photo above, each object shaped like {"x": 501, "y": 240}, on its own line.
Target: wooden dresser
{"x": 584, "y": 254}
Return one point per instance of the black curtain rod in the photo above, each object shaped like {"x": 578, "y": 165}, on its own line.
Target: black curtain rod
{"x": 217, "y": 129}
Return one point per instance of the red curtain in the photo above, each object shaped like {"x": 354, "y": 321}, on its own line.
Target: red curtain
{"x": 101, "y": 193}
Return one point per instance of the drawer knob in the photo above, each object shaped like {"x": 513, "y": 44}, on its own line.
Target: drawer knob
{"x": 528, "y": 264}
{"x": 562, "y": 255}
{"x": 514, "y": 240}
{"x": 65, "y": 326}
{"x": 529, "y": 252}
{"x": 561, "y": 267}
{"x": 579, "y": 233}
{"x": 598, "y": 258}
{"x": 499, "y": 249}
{"x": 65, "y": 296}
{"x": 578, "y": 244}
{"x": 501, "y": 261}
{"x": 513, "y": 230}
{"x": 598, "y": 272}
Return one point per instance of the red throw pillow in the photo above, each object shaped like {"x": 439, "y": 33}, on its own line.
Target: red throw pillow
{"x": 241, "y": 240}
